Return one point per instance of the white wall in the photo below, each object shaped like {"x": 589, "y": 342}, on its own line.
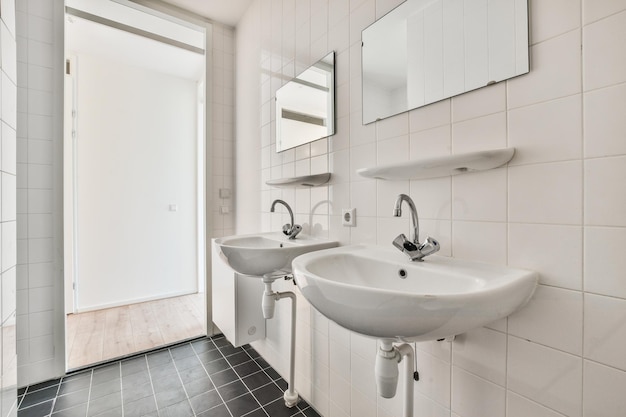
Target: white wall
{"x": 8, "y": 215}
{"x": 40, "y": 308}
{"x": 558, "y": 208}
{"x": 136, "y": 147}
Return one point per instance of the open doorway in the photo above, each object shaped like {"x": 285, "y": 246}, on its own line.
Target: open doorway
{"x": 134, "y": 179}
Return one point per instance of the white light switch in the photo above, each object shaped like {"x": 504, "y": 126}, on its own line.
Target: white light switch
{"x": 173, "y": 207}
{"x": 224, "y": 192}
{"x": 224, "y": 210}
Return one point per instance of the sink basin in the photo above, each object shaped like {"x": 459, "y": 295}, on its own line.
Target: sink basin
{"x": 378, "y": 292}
{"x": 263, "y": 253}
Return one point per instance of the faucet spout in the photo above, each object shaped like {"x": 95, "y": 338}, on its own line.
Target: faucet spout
{"x": 413, "y": 248}
{"x": 290, "y": 229}
{"x": 397, "y": 212}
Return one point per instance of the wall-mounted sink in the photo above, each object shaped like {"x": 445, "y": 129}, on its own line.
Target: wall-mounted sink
{"x": 264, "y": 253}
{"x": 376, "y": 291}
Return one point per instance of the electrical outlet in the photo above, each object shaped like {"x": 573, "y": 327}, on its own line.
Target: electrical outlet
{"x": 348, "y": 217}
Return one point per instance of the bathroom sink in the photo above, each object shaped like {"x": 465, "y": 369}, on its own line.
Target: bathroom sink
{"x": 263, "y": 253}
{"x": 376, "y": 291}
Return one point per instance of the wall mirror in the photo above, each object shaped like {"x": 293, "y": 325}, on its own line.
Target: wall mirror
{"x": 424, "y": 51}
{"x": 305, "y": 106}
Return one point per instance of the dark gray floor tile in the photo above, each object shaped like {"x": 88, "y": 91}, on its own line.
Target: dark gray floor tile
{"x": 21, "y": 391}
{"x": 102, "y": 404}
{"x": 221, "y": 341}
{"x": 78, "y": 411}
{"x": 210, "y": 356}
{"x": 205, "y": 401}
{"x": 310, "y": 412}
{"x": 166, "y": 398}
{"x": 232, "y": 390}
{"x": 262, "y": 362}
{"x": 204, "y": 345}
{"x": 257, "y": 413}
{"x": 238, "y": 358}
{"x": 113, "y": 412}
{"x": 242, "y": 405}
{"x": 192, "y": 374}
{"x": 71, "y": 400}
{"x": 230, "y": 350}
{"x": 36, "y": 397}
{"x": 45, "y": 384}
{"x": 216, "y": 366}
{"x": 135, "y": 392}
{"x": 136, "y": 378}
{"x": 75, "y": 384}
{"x": 106, "y": 388}
{"x": 278, "y": 409}
{"x": 282, "y": 384}
{"x": 224, "y": 377}
{"x": 166, "y": 384}
{"x": 180, "y": 409}
{"x": 187, "y": 362}
{"x": 247, "y": 368}
{"x": 105, "y": 374}
{"x": 38, "y": 410}
{"x": 256, "y": 380}
{"x": 272, "y": 373}
{"x": 219, "y": 411}
{"x": 183, "y": 351}
{"x": 140, "y": 407}
{"x": 198, "y": 386}
{"x": 251, "y": 351}
{"x": 135, "y": 365}
{"x": 167, "y": 370}
{"x": 159, "y": 358}
{"x": 267, "y": 394}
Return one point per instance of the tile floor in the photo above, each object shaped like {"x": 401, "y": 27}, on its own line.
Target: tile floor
{"x": 207, "y": 377}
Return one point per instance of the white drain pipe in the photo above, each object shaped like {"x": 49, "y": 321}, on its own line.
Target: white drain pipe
{"x": 386, "y": 371}
{"x": 269, "y": 306}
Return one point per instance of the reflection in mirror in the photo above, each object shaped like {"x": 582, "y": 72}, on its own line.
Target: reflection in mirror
{"x": 424, "y": 51}
{"x": 305, "y": 106}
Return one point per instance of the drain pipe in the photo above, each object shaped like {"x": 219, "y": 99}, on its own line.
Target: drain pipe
{"x": 269, "y": 306}
{"x": 386, "y": 371}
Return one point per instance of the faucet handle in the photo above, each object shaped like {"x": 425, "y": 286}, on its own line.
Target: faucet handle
{"x": 286, "y": 229}
{"x": 402, "y": 243}
{"x": 429, "y": 246}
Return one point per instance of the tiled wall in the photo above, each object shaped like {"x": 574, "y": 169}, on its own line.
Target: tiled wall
{"x": 40, "y": 334}
{"x": 559, "y": 208}
{"x": 8, "y": 201}
{"x": 38, "y": 236}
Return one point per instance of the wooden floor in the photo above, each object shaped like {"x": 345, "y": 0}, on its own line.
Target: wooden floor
{"x": 101, "y": 335}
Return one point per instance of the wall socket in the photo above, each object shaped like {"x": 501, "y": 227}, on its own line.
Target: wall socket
{"x": 348, "y": 217}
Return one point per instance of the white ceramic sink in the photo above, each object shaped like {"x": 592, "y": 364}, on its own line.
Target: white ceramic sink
{"x": 378, "y": 292}
{"x": 263, "y": 253}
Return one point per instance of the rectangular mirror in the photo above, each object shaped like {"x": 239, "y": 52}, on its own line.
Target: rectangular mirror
{"x": 424, "y": 51}
{"x": 305, "y": 106}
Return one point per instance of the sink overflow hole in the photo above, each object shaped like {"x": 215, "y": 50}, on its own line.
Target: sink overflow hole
{"x": 402, "y": 273}
{"x": 281, "y": 245}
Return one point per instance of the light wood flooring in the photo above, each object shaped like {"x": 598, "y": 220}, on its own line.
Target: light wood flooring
{"x": 102, "y": 335}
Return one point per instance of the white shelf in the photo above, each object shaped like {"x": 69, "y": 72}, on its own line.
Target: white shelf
{"x": 440, "y": 166}
{"x": 305, "y": 181}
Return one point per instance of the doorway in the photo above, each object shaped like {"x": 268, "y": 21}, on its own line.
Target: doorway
{"x": 134, "y": 181}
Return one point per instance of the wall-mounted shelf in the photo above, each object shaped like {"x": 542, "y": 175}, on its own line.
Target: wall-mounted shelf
{"x": 305, "y": 181}
{"x": 440, "y": 166}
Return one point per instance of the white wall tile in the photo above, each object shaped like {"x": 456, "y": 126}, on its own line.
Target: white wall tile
{"x": 546, "y": 132}
{"x": 390, "y": 151}
{"x": 437, "y": 385}
{"x": 432, "y": 142}
{"x": 483, "y": 353}
{"x": 603, "y": 393}
{"x": 604, "y": 60}
{"x": 432, "y": 197}
{"x": 553, "y": 317}
{"x": 487, "y": 132}
{"x": 475, "y": 397}
{"x": 479, "y": 102}
{"x": 9, "y": 197}
{"x": 9, "y": 149}
{"x": 605, "y": 334}
{"x": 604, "y": 261}
{"x": 480, "y": 196}
{"x": 553, "y": 18}
{"x": 604, "y": 121}
{"x": 546, "y": 193}
{"x": 518, "y": 406}
{"x": 605, "y": 201}
{"x": 479, "y": 241}
{"x": 552, "y": 250}
{"x": 547, "y": 80}
{"x": 547, "y": 376}
{"x": 428, "y": 117}
{"x": 9, "y": 245}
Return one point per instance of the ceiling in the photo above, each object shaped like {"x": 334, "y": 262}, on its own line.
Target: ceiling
{"x": 228, "y": 12}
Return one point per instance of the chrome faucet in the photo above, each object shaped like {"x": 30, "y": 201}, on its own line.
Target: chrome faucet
{"x": 291, "y": 229}
{"x": 413, "y": 248}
